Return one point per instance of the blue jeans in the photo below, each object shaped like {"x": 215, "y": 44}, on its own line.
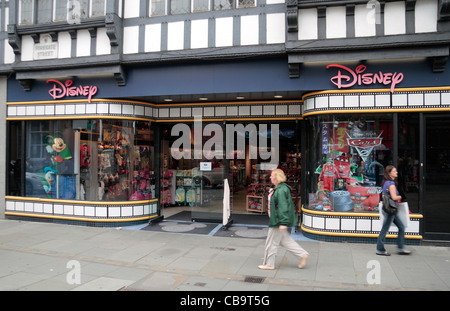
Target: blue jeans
{"x": 388, "y": 219}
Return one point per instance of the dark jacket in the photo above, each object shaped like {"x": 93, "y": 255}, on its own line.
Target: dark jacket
{"x": 282, "y": 209}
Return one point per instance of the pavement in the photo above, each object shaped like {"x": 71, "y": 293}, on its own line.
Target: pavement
{"x": 60, "y": 257}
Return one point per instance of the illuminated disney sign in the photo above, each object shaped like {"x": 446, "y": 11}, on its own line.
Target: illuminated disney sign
{"x": 60, "y": 90}
{"x": 347, "y": 77}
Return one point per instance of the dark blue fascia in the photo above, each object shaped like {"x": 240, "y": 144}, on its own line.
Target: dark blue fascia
{"x": 261, "y": 75}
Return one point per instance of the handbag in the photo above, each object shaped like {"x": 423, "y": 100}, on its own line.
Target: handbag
{"x": 389, "y": 206}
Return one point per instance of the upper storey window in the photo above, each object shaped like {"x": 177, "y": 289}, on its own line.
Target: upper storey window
{"x": 48, "y": 11}
{"x": 163, "y": 7}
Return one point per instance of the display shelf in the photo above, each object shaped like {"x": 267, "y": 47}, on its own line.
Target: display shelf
{"x": 256, "y": 203}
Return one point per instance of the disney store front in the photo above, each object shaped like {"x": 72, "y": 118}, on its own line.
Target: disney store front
{"x": 93, "y": 171}
{"x": 348, "y": 150}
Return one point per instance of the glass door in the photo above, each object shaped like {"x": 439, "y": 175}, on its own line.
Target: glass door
{"x": 437, "y": 177}
{"x": 194, "y": 170}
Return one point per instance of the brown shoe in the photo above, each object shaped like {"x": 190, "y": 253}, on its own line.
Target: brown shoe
{"x": 266, "y": 267}
{"x": 303, "y": 262}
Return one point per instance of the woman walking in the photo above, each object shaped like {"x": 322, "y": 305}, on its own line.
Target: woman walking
{"x": 281, "y": 216}
{"x": 388, "y": 184}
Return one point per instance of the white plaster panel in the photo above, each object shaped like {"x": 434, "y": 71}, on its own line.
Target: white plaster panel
{"x": 365, "y": 21}
{"x": 249, "y": 29}
{"x": 103, "y": 43}
{"x": 336, "y": 22}
{"x": 64, "y": 45}
{"x": 10, "y": 57}
{"x": 199, "y": 34}
{"x": 307, "y": 24}
{"x": 131, "y": 39}
{"x": 426, "y": 16}
{"x": 83, "y": 43}
{"x": 175, "y": 34}
{"x": 394, "y": 18}
{"x": 152, "y": 38}
{"x": 27, "y": 48}
{"x": 275, "y": 28}
{"x": 224, "y": 31}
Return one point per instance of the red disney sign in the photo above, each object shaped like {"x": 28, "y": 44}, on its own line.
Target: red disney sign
{"x": 342, "y": 80}
{"x": 61, "y": 90}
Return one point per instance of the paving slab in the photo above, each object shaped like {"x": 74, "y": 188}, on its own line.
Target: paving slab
{"x": 37, "y": 256}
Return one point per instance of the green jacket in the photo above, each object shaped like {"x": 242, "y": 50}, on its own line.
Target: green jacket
{"x": 282, "y": 209}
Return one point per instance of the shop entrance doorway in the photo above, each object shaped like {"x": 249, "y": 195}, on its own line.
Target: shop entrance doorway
{"x": 238, "y": 171}
{"x": 250, "y": 172}
{"x": 437, "y": 177}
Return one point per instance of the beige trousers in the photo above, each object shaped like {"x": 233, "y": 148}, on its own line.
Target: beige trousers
{"x": 275, "y": 238}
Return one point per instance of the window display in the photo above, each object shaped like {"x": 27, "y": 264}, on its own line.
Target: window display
{"x": 350, "y": 155}
{"x": 87, "y": 160}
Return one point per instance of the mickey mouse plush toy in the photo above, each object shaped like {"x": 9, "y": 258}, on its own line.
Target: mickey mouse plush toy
{"x": 57, "y": 148}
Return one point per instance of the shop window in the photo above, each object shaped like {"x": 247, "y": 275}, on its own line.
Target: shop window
{"x": 92, "y": 160}
{"x": 47, "y": 11}
{"x": 246, "y": 3}
{"x": 44, "y": 11}
{"x": 26, "y": 12}
{"x": 347, "y": 159}
{"x": 200, "y": 5}
{"x": 180, "y": 6}
{"x": 223, "y": 4}
{"x": 98, "y": 8}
